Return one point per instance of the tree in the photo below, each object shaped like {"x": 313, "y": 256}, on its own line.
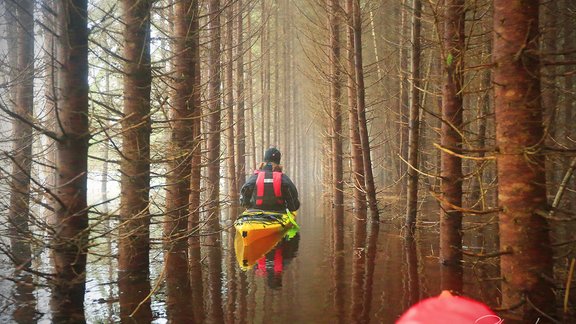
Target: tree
{"x": 451, "y": 139}
{"x": 182, "y": 143}
{"x": 134, "y": 232}
{"x": 355, "y": 144}
{"x": 213, "y": 169}
{"x": 361, "y": 110}
{"x": 229, "y": 103}
{"x": 414, "y": 121}
{"x": 22, "y": 134}
{"x": 524, "y": 233}
{"x": 194, "y": 252}
{"x": 241, "y": 97}
{"x": 334, "y": 76}
{"x": 70, "y": 238}
{"x": 21, "y": 158}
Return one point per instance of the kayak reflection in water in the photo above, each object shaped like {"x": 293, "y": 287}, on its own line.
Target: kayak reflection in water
{"x": 273, "y": 263}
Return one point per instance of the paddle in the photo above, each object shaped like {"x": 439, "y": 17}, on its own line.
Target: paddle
{"x": 291, "y": 218}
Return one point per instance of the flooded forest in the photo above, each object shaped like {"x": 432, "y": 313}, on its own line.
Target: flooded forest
{"x": 432, "y": 144}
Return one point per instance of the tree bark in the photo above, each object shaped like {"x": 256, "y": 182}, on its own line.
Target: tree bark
{"x": 241, "y": 96}
{"x": 451, "y": 165}
{"x": 213, "y": 240}
{"x": 229, "y": 102}
{"x": 361, "y": 107}
{"x": 336, "y": 117}
{"x": 414, "y": 121}
{"x": 359, "y": 236}
{"x": 251, "y": 114}
{"x": 178, "y": 187}
{"x": 70, "y": 240}
{"x": 194, "y": 253}
{"x": 265, "y": 78}
{"x": 181, "y": 143}
{"x": 521, "y": 178}
{"x": 21, "y": 155}
{"x": 403, "y": 99}
{"x": 355, "y": 145}
{"x": 134, "y": 231}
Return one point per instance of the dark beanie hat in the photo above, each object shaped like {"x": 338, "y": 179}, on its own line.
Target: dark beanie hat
{"x": 272, "y": 155}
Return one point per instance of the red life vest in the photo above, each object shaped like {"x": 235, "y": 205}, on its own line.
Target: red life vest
{"x": 269, "y": 190}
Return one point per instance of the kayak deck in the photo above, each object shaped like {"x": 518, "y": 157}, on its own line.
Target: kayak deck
{"x": 253, "y": 225}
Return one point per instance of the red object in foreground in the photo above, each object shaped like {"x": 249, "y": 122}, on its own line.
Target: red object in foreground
{"x": 447, "y": 308}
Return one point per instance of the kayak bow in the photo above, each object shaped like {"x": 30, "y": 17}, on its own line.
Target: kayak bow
{"x": 253, "y": 225}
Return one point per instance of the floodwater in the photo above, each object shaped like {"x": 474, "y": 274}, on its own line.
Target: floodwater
{"x": 301, "y": 280}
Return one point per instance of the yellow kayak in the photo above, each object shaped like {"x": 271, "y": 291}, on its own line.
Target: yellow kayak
{"x": 253, "y": 225}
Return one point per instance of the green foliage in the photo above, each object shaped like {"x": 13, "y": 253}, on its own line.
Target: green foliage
{"x": 449, "y": 59}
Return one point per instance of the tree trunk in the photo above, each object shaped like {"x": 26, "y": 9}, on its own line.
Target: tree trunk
{"x": 355, "y": 145}
{"x": 359, "y": 236}
{"x": 414, "y": 122}
{"x": 134, "y": 231}
{"x": 361, "y": 106}
{"x": 265, "y": 78}
{"x": 178, "y": 292}
{"x": 521, "y": 178}
{"x": 181, "y": 143}
{"x": 178, "y": 187}
{"x": 70, "y": 241}
{"x": 403, "y": 99}
{"x": 569, "y": 84}
{"x": 213, "y": 240}
{"x": 51, "y": 79}
{"x": 336, "y": 117}
{"x": 549, "y": 39}
{"x": 21, "y": 155}
{"x": 275, "y": 126}
{"x": 288, "y": 116}
{"x": 451, "y": 165}
{"x": 241, "y": 96}
{"x": 251, "y": 101}
{"x": 229, "y": 102}
{"x": 194, "y": 253}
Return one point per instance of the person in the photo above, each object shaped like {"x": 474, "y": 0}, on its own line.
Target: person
{"x": 268, "y": 188}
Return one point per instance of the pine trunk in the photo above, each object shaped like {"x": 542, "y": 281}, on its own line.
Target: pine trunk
{"x": 251, "y": 114}
{"x": 134, "y": 231}
{"x": 265, "y": 78}
{"x": 403, "y": 99}
{"x": 524, "y": 235}
{"x": 451, "y": 165}
{"x": 414, "y": 122}
{"x": 355, "y": 146}
{"x": 194, "y": 254}
{"x": 181, "y": 143}
{"x": 336, "y": 116}
{"x": 70, "y": 241}
{"x": 229, "y": 103}
{"x": 213, "y": 239}
{"x": 178, "y": 189}
{"x": 21, "y": 155}
{"x": 241, "y": 97}
{"x": 361, "y": 110}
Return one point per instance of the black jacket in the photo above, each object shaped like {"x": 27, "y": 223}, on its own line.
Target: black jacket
{"x": 289, "y": 192}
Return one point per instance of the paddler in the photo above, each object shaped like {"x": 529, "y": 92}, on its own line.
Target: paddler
{"x": 268, "y": 188}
